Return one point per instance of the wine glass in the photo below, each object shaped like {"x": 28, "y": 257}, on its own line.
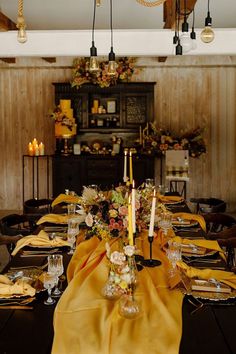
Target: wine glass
{"x": 165, "y": 222}
{"x": 149, "y": 183}
{"x": 49, "y": 281}
{"x": 55, "y": 267}
{"x": 174, "y": 254}
{"x": 72, "y": 232}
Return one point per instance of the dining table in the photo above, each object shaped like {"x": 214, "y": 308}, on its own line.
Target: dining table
{"x": 83, "y": 321}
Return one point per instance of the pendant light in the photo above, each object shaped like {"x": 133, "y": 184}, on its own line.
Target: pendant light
{"x": 178, "y": 48}
{"x": 207, "y": 35}
{"x": 193, "y": 33}
{"x": 185, "y": 39}
{"x": 93, "y": 63}
{"x": 111, "y": 71}
{"x": 21, "y": 35}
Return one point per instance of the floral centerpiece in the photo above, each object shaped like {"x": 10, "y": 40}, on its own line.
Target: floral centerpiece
{"x": 81, "y": 74}
{"x": 106, "y": 212}
{"x": 159, "y": 140}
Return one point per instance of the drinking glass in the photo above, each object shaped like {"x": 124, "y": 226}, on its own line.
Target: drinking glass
{"x": 71, "y": 209}
{"x": 72, "y": 232}
{"x": 165, "y": 222}
{"x": 149, "y": 183}
{"x": 174, "y": 255}
{"x": 55, "y": 267}
{"x": 49, "y": 281}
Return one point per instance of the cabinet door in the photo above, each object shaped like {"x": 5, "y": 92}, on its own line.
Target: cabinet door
{"x": 103, "y": 172}
{"x": 136, "y": 109}
{"x": 67, "y": 174}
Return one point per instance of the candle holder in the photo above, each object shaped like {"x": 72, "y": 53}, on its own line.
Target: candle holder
{"x": 151, "y": 262}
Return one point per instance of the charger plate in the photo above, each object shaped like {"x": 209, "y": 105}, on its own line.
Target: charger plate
{"x": 179, "y": 224}
{"x": 207, "y": 295}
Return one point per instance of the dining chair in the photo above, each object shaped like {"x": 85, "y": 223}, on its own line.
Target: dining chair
{"x": 218, "y": 222}
{"x": 208, "y": 205}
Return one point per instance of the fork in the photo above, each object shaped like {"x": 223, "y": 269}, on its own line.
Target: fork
{"x": 30, "y": 266}
{"x": 20, "y": 302}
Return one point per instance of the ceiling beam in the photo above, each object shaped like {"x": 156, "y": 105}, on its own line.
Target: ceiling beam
{"x": 50, "y": 59}
{"x": 9, "y": 60}
{"x": 6, "y": 24}
{"x": 169, "y": 11}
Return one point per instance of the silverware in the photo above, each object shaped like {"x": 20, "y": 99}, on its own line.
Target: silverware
{"x": 17, "y": 302}
{"x": 39, "y": 252}
{"x": 29, "y": 266}
{"x": 16, "y": 307}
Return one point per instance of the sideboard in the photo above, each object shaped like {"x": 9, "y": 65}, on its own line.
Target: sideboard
{"x": 75, "y": 171}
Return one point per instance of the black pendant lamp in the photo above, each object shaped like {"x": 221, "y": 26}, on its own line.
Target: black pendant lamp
{"x": 111, "y": 57}
{"x": 93, "y": 63}
{"x": 178, "y": 48}
{"x": 207, "y": 35}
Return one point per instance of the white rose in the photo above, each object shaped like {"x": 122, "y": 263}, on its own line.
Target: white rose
{"x": 89, "y": 220}
{"x": 129, "y": 250}
{"x": 117, "y": 258}
{"x": 126, "y": 277}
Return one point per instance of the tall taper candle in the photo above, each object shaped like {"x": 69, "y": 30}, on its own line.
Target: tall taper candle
{"x": 133, "y": 195}
{"x": 130, "y": 168}
{"x": 152, "y": 218}
{"x": 130, "y": 226}
{"x": 125, "y": 166}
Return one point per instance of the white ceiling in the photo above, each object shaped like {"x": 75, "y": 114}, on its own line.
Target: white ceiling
{"x": 127, "y": 14}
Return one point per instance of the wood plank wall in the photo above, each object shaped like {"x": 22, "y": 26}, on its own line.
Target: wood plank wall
{"x": 190, "y": 92}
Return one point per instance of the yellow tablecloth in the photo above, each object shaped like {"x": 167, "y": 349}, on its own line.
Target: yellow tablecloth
{"x": 85, "y": 322}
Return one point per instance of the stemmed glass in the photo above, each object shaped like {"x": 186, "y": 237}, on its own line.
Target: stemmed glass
{"x": 174, "y": 255}
{"x": 49, "y": 281}
{"x": 73, "y": 230}
{"x": 71, "y": 209}
{"x": 55, "y": 267}
{"x": 165, "y": 222}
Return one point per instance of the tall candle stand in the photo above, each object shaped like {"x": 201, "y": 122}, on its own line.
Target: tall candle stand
{"x": 151, "y": 262}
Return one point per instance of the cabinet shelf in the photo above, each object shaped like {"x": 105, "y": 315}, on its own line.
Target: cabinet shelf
{"x": 107, "y": 130}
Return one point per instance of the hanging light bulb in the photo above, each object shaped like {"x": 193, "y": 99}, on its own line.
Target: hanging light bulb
{"x": 111, "y": 71}
{"x": 193, "y": 33}
{"x": 21, "y": 35}
{"x": 207, "y": 34}
{"x": 93, "y": 62}
{"x": 178, "y": 48}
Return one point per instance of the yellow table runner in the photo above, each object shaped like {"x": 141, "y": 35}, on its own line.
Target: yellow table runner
{"x": 85, "y": 322}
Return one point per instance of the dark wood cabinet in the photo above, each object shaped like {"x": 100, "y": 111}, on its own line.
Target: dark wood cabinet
{"x": 74, "y": 172}
{"x": 126, "y": 107}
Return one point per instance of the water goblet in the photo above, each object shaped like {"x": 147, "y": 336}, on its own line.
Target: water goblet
{"x": 165, "y": 222}
{"x": 72, "y": 232}
{"x": 149, "y": 183}
{"x": 49, "y": 281}
{"x": 174, "y": 254}
{"x": 71, "y": 209}
{"x": 55, "y": 267}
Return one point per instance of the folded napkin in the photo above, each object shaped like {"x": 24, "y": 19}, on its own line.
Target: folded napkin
{"x": 64, "y": 198}
{"x": 20, "y": 287}
{"x": 169, "y": 198}
{"x": 189, "y": 216}
{"x": 41, "y": 240}
{"x": 53, "y": 218}
{"x": 208, "y": 244}
{"x": 228, "y": 278}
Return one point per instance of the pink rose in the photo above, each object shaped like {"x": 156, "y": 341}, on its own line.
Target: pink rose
{"x": 123, "y": 210}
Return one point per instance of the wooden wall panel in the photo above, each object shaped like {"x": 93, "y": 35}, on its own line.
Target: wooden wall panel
{"x": 190, "y": 92}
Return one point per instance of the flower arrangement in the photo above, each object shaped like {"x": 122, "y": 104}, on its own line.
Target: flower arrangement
{"x": 60, "y": 117}
{"x": 82, "y": 75}
{"x": 106, "y": 212}
{"x": 159, "y": 140}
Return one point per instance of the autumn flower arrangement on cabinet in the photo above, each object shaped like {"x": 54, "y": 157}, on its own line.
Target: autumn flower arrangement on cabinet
{"x": 81, "y": 74}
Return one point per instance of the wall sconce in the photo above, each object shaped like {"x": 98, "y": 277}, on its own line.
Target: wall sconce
{"x": 21, "y": 25}
{"x": 111, "y": 57}
{"x": 207, "y": 34}
{"x": 93, "y": 63}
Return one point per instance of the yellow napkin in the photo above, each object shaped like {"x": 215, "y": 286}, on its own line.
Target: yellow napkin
{"x": 41, "y": 239}
{"x": 228, "y": 278}
{"x": 169, "y": 198}
{"x": 188, "y": 216}
{"x": 20, "y": 287}
{"x": 53, "y": 218}
{"x": 64, "y": 198}
{"x": 208, "y": 244}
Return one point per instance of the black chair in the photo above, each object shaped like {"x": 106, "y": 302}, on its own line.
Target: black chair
{"x": 37, "y": 206}
{"x": 217, "y": 222}
{"x": 15, "y": 224}
{"x": 209, "y": 205}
